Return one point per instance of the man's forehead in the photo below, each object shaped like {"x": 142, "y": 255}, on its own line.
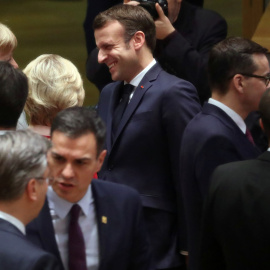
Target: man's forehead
{"x": 62, "y": 144}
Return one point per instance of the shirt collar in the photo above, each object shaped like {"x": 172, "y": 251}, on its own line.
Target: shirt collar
{"x": 135, "y": 81}
{"x": 62, "y": 207}
{"x": 14, "y": 221}
{"x": 231, "y": 113}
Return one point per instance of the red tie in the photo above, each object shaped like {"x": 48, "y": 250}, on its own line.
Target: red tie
{"x": 76, "y": 246}
{"x": 249, "y": 136}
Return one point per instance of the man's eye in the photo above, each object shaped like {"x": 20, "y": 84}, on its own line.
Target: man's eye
{"x": 58, "y": 158}
{"x": 80, "y": 162}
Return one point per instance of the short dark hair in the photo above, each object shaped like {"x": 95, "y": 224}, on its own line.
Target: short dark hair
{"x": 229, "y": 57}
{"x": 133, "y": 19}
{"x": 77, "y": 121}
{"x": 13, "y": 94}
{"x": 264, "y": 109}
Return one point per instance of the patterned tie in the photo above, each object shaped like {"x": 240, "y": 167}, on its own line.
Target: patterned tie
{"x": 120, "y": 109}
{"x": 249, "y": 136}
{"x": 76, "y": 246}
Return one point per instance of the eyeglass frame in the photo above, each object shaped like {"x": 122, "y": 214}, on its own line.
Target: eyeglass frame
{"x": 266, "y": 78}
{"x": 47, "y": 179}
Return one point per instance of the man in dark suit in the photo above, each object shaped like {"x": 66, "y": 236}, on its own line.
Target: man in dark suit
{"x": 23, "y": 187}
{"x": 184, "y": 40}
{"x": 238, "y": 74}
{"x": 143, "y": 147}
{"x": 236, "y": 221}
{"x": 111, "y": 230}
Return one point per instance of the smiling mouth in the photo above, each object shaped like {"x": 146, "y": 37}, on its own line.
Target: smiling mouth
{"x": 111, "y": 65}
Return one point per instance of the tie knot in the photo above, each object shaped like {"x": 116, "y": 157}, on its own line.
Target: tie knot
{"x": 75, "y": 212}
{"x": 127, "y": 89}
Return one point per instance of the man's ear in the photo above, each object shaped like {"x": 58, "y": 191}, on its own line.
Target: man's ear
{"x": 100, "y": 160}
{"x": 261, "y": 124}
{"x": 138, "y": 40}
{"x": 238, "y": 82}
{"x": 31, "y": 190}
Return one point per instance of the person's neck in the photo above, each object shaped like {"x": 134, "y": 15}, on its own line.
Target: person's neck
{"x": 232, "y": 102}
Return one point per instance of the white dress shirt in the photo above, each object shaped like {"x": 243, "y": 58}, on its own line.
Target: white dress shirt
{"x": 14, "y": 221}
{"x": 137, "y": 79}
{"x": 59, "y": 210}
{"x": 231, "y": 113}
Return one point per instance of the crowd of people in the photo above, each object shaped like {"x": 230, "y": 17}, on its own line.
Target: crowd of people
{"x": 181, "y": 182}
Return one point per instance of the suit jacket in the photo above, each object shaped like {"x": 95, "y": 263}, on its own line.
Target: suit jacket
{"x": 122, "y": 240}
{"x": 236, "y": 232}
{"x": 145, "y": 153}
{"x": 212, "y": 138}
{"x": 183, "y": 54}
{"x": 16, "y": 252}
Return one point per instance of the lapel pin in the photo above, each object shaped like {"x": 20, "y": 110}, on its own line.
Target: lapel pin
{"x": 104, "y": 219}
{"x": 142, "y": 86}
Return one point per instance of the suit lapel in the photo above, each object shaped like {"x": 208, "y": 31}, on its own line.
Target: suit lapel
{"x": 142, "y": 88}
{"x": 226, "y": 120}
{"x": 103, "y": 213}
{"x": 46, "y": 231}
{"x": 113, "y": 102}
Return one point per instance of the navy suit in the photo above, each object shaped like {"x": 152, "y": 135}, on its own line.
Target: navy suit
{"x": 236, "y": 227}
{"x": 17, "y": 253}
{"x": 122, "y": 238}
{"x": 183, "y": 53}
{"x": 210, "y": 139}
{"x": 145, "y": 153}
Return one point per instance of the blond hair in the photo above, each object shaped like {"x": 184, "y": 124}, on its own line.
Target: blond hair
{"x": 8, "y": 41}
{"x": 54, "y": 85}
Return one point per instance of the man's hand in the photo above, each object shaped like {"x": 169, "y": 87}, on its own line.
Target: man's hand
{"x": 163, "y": 24}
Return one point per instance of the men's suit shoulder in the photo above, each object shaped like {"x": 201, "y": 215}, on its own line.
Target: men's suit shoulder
{"x": 16, "y": 252}
{"x": 121, "y": 227}
{"x": 236, "y": 221}
{"x": 212, "y": 138}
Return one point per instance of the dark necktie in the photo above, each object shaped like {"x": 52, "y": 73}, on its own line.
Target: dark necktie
{"x": 120, "y": 108}
{"x": 76, "y": 246}
{"x": 249, "y": 136}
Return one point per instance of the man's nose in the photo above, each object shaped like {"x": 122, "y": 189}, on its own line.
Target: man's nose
{"x": 68, "y": 171}
{"x": 101, "y": 56}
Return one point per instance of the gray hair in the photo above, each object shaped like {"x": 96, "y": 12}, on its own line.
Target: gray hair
{"x": 22, "y": 157}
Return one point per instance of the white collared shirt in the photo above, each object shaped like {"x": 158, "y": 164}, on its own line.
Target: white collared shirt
{"x": 14, "y": 221}
{"x": 59, "y": 209}
{"x": 137, "y": 79}
{"x": 231, "y": 113}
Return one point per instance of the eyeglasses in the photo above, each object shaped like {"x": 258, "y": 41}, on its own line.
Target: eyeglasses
{"x": 47, "y": 179}
{"x": 265, "y": 78}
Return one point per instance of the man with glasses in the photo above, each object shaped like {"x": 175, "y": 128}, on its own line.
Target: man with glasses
{"x": 239, "y": 75}
{"x": 23, "y": 186}
{"x": 235, "y": 233}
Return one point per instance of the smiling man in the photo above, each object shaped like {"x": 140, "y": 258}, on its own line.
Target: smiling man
{"x": 146, "y": 111}
{"x": 108, "y": 232}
